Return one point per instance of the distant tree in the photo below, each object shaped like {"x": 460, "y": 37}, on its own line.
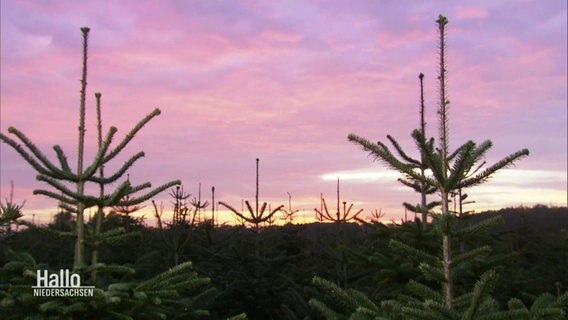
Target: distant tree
{"x": 198, "y": 205}
{"x": 259, "y": 214}
{"x": 288, "y": 214}
{"x": 418, "y": 185}
{"x": 63, "y": 220}
{"x": 10, "y": 212}
{"x": 158, "y": 213}
{"x": 339, "y": 216}
{"x": 181, "y": 210}
{"x": 255, "y": 216}
{"x": 127, "y": 211}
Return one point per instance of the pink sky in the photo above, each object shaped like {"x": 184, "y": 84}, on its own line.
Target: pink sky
{"x": 286, "y": 81}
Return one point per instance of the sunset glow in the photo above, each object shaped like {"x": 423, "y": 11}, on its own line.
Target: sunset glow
{"x": 286, "y": 82}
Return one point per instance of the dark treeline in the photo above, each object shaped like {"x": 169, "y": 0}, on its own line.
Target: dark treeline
{"x": 530, "y": 251}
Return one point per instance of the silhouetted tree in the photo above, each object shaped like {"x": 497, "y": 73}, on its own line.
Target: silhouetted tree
{"x": 447, "y": 175}
{"x": 57, "y": 175}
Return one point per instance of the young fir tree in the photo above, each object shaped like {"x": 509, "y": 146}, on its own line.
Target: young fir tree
{"x": 447, "y": 175}
{"x": 418, "y": 185}
{"x": 198, "y": 205}
{"x": 339, "y": 216}
{"x": 10, "y": 212}
{"x": 288, "y": 214}
{"x": 176, "y": 293}
{"x": 126, "y": 212}
{"x": 256, "y": 215}
{"x": 178, "y": 233}
{"x": 59, "y": 176}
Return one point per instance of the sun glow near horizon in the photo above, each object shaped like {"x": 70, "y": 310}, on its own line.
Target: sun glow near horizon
{"x": 260, "y": 80}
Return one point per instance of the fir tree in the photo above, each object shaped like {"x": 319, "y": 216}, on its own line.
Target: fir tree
{"x": 126, "y": 211}
{"x": 288, "y": 214}
{"x": 10, "y": 212}
{"x": 257, "y": 215}
{"x": 339, "y": 216}
{"x": 447, "y": 175}
{"x": 57, "y": 176}
{"x": 176, "y": 293}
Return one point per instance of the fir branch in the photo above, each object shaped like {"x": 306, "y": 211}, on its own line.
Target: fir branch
{"x": 120, "y": 172}
{"x": 56, "y": 196}
{"x": 250, "y": 209}
{"x": 37, "y": 153}
{"x": 66, "y": 207}
{"x": 98, "y": 159}
{"x": 261, "y": 212}
{"x": 131, "y": 134}
{"x": 157, "y": 280}
{"x": 431, "y": 160}
{"x": 464, "y": 161}
{"x": 433, "y": 204}
{"x": 478, "y": 153}
{"x": 413, "y": 208}
{"x": 509, "y": 314}
{"x": 62, "y": 160}
{"x": 147, "y": 196}
{"x": 230, "y": 208}
{"x": 274, "y": 211}
{"x": 362, "y": 301}
{"x": 381, "y": 153}
{"x": 488, "y": 172}
{"x": 414, "y": 253}
{"x": 481, "y": 289}
{"x": 419, "y": 313}
{"x": 411, "y": 183}
{"x": 471, "y": 255}
{"x": 120, "y": 238}
{"x": 114, "y": 268}
{"x": 401, "y": 152}
{"x": 140, "y": 187}
{"x": 59, "y": 186}
{"x": 479, "y": 227}
{"x": 440, "y": 309}
{"x": 452, "y": 155}
{"x": 420, "y": 290}
{"x": 432, "y": 272}
{"x": 26, "y": 156}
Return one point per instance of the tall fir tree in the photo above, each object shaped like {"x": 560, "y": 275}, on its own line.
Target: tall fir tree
{"x": 176, "y": 293}
{"x": 60, "y": 176}
{"x": 450, "y": 171}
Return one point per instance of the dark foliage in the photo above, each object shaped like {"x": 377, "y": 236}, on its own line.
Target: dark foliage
{"x": 530, "y": 254}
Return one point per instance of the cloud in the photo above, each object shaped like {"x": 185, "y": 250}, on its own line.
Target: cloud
{"x": 471, "y": 13}
{"x": 363, "y": 176}
{"x": 286, "y": 82}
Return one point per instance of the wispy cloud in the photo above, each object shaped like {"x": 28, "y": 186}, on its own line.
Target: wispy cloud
{"x": 286, "y": 82}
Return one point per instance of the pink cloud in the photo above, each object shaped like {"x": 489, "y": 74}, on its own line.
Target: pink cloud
{"x": 471, "y": 13}
{"x": 282, "y": 81}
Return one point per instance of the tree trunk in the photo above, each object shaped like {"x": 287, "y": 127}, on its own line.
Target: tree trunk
{"x": 447, "y": 255}
{"x": 79, "y": 242}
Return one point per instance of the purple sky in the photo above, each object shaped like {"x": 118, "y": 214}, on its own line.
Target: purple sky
{"x": 286, "y": 81}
